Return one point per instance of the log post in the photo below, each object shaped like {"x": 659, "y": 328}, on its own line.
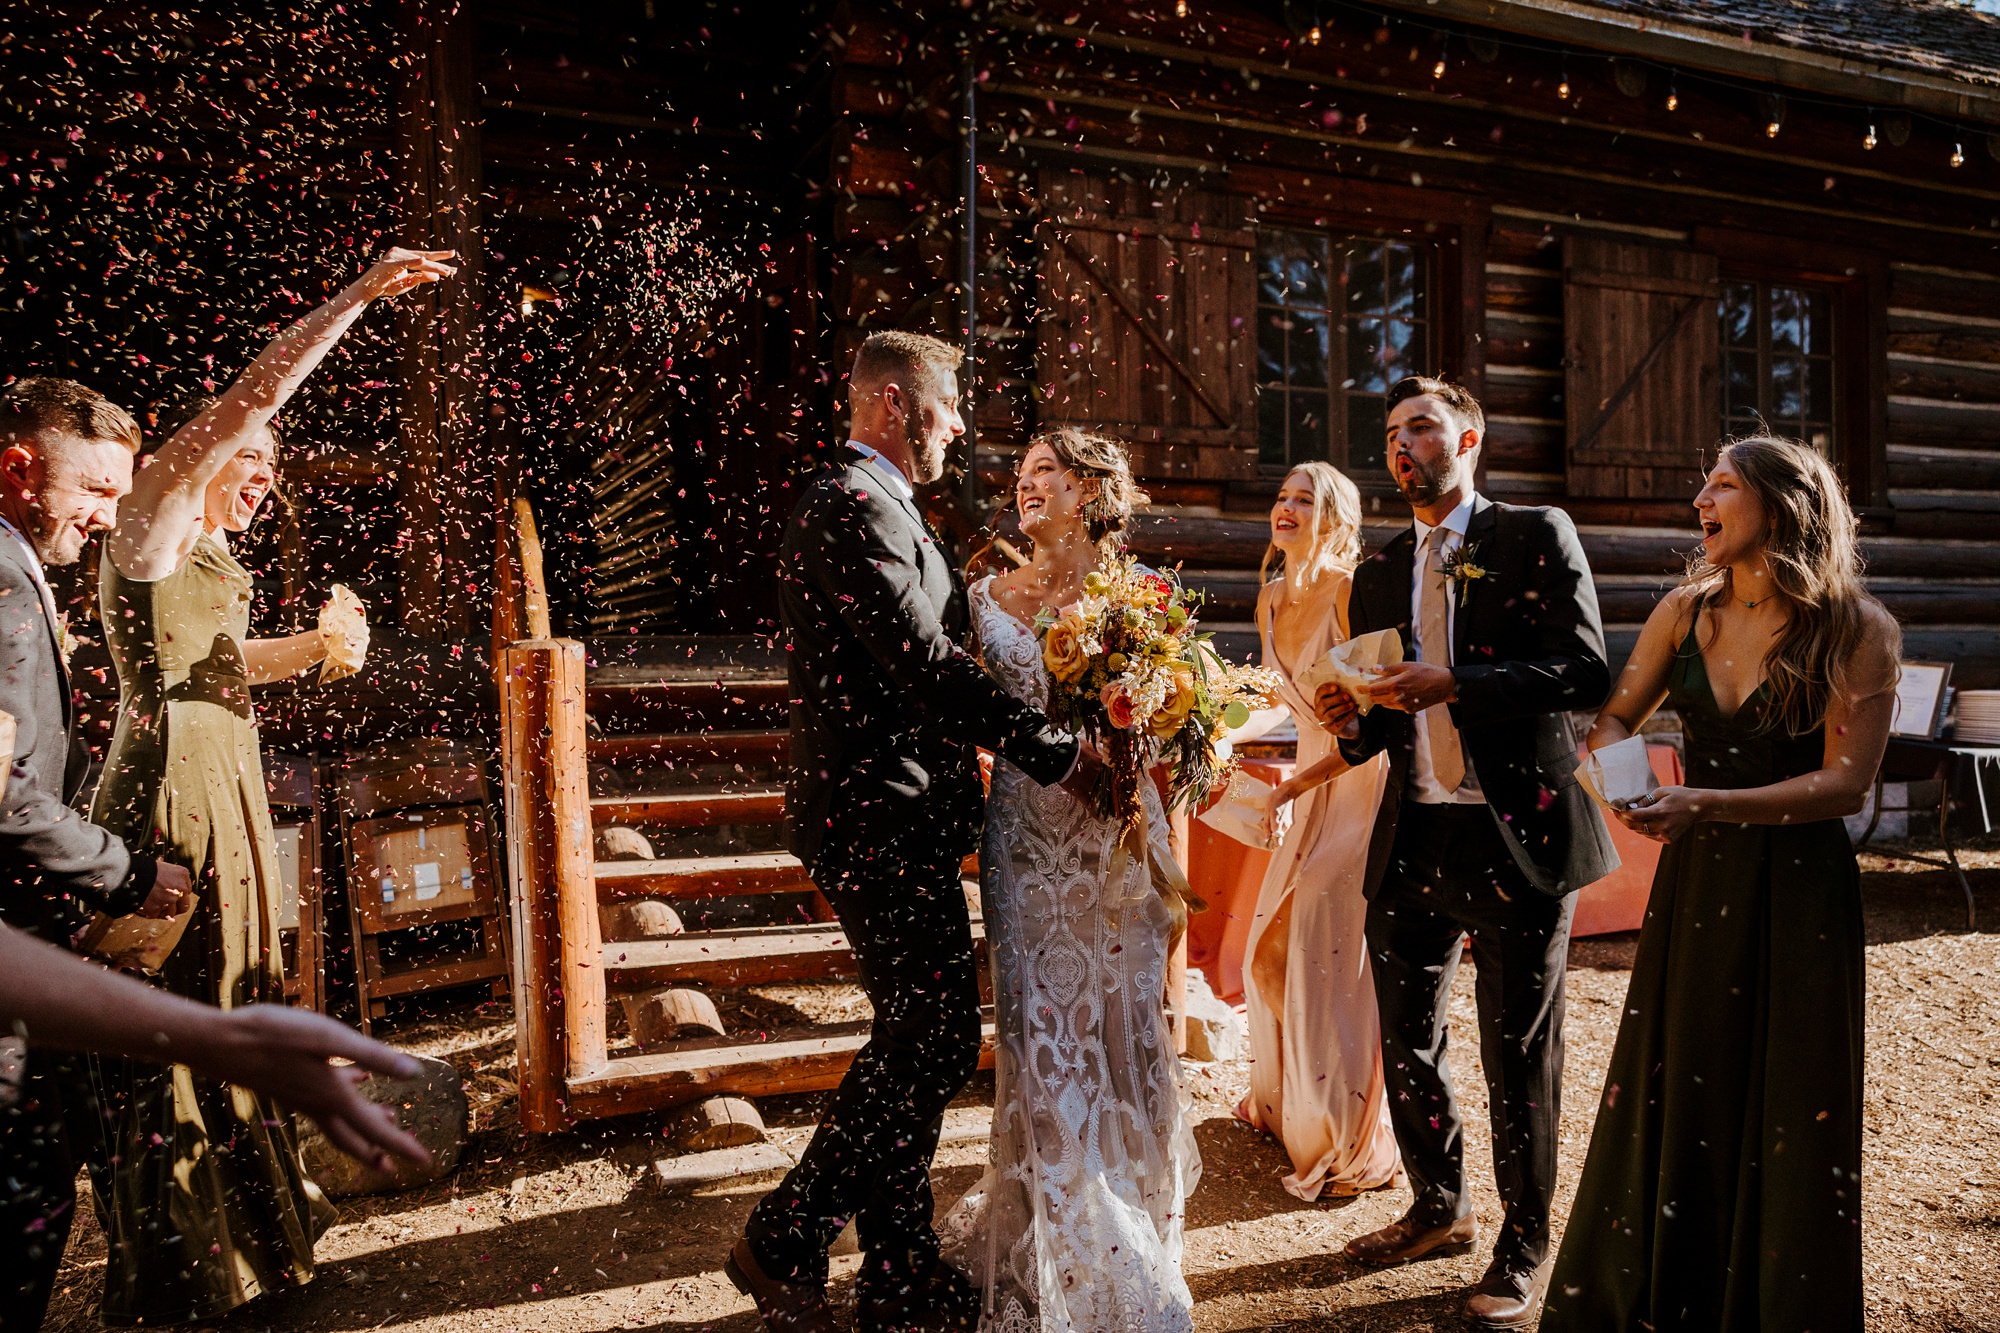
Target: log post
{"x": 438, "y": 179}
{"x": 558, "y": 981}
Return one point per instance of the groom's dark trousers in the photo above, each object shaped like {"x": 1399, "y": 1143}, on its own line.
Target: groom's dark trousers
{"x": 885, "y": 801}
{"x": 1527, "y": 649}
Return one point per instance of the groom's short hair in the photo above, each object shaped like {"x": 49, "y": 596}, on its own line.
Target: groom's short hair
{"x": 916, "y": 361}
{"x": 1454, "y": 396}
{"x": 45, "y": 413}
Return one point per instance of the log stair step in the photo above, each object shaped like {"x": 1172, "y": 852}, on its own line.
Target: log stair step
{"x": 698, "y": 808}
{"x": 629, "y": 701}
{"x": 799, "y": 1060}
{"x": 753, "y": 957}
{"x": 762, "y": 746}
{"x": 702, "y": 876}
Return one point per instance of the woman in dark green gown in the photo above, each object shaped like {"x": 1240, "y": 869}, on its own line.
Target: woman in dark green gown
{"x": 1722, "y": 1187}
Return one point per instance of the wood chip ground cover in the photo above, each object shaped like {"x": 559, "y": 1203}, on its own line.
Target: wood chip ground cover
{"x": 563, "y": 1234}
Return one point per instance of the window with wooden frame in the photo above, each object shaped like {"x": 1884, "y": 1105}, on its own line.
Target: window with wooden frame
{"x": 1802, "y": 346}
{"x": 1778, "y": 361}
{"x": 1339, "y": 320}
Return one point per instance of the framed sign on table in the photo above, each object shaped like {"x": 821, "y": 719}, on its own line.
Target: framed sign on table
{"x": 1920, "y": 695}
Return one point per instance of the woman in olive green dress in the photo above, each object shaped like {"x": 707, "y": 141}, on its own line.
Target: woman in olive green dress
{"x": 1722, "y": 1191}
{"x": 199, "y": 1184}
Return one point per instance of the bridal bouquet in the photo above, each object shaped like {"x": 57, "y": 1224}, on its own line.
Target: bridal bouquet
{"x": 1128, "y": 671}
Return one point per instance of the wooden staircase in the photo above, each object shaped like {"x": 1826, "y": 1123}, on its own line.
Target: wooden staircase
{"x": 683, "y": 742}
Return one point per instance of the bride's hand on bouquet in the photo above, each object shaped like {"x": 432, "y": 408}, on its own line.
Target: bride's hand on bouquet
{"x": 1088, "y": 775}
{"x": 1665, "y": 813}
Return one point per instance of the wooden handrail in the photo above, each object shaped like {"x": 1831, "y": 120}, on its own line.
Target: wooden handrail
{"x": 559, "y": 996}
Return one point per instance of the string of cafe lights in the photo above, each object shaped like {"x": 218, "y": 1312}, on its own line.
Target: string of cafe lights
{"x": 1892, "y": 126}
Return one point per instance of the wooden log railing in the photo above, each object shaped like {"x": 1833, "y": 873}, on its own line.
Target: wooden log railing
{"x": 559, "y": 995}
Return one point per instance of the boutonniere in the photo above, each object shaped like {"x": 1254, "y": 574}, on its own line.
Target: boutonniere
{"x": 65, "y": 641}
{"x": 1462, "y": 566}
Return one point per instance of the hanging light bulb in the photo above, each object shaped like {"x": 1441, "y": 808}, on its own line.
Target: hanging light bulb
{"x": 1437, "y": 70}
{"x": 1774, "y": 115}
{"x": 1868, "y": 139}
{"x": 1180, "y": 9}
{"x": 1673, "y": 98}
{"x": 1958, "y": 154}
{"x": 1562, "y": 89}
{"x": 1771, "y": 130}
{"x": 1312, "y": 36}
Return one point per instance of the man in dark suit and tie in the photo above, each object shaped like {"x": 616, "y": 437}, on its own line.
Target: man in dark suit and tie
{"x": 884, "y": 803}
{"x": 65, "y": 462}
{"x": 1482, "y": 830}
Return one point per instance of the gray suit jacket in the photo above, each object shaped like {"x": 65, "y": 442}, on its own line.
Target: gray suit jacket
{"x": 887, "y": 709}
{"x": 56, "y": 867}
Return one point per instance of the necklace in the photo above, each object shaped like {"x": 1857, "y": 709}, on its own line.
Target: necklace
{"x": 1753, "y": 604}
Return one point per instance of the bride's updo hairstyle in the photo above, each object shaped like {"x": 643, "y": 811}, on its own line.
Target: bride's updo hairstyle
{"x": 1102, "y": 459}
{"x": 1333, "y": 539}
{"x": 1814, "y": 553}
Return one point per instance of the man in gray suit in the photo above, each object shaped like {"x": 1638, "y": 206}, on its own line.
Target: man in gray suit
{"x": 65, "y": 462}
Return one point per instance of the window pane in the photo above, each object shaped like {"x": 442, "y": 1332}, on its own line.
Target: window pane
{"x": 1787, "y": 320}
{"x": 1788, "y": 383}
{"x": 1365, "y": 279}
{"x": 1739, "y": 315}
{"x": 1364, "y": 356}
{"x": 1367, "y": 425}
{"x": 1308, "y": 427}
{"x": 1820, "y": 437}
{"x": 1739, "y": 383}
{"x": 1310, "y": 348}
{"x": 1271, "y": 427}
{"x": 1405, "y": 272}
{"x": 1817, "y": 318}
{"x": 1819, "y": 390}
{"x": 1271, "y": 346}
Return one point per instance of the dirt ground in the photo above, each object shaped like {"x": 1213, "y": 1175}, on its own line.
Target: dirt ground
{"x": 565, "y": 1234}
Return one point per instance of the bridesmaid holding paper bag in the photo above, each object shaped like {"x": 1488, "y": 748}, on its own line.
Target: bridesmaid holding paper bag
{"x": 199, "y": 1185}
{"x": 1722, "y": 1190}
{"x": 1316, "y": 1056}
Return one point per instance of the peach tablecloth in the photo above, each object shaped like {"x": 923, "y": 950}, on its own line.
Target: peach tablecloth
{"x": 1229, "y": 874}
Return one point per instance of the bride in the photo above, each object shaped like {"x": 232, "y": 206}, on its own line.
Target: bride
{"x": 1077, "y": 1222}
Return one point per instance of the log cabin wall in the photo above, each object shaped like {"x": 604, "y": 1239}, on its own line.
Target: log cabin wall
{"x": 1580, "y": 250}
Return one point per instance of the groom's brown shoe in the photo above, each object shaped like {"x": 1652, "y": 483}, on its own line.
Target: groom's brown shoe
{"x": 1405, "y": 1240}
{"x": 1509, "y": 1296}
{"x": 786, "y": 1307}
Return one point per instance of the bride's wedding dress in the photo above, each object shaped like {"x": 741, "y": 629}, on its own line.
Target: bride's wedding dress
{"x": 1077, "y": 1223}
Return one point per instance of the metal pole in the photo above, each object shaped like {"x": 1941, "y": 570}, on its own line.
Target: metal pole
{"x": 969, "y": 381}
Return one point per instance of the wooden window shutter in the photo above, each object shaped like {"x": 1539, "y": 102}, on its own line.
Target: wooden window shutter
{"x": 1145, "y": 322}
{"x": 1642, "y": 377}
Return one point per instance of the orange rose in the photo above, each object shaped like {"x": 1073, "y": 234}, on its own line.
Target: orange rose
{"x": 1173, "y": 714}
{"x": 1062, "y": 651}
{"x": 1117, "y": 705}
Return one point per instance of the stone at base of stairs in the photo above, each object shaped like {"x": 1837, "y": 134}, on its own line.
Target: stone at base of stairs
{"x": 693, "y": 1171}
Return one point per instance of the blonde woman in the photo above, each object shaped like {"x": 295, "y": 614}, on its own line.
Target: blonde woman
{"x": 1316, "y": 1058}
{"x": 1722, "y": 1189}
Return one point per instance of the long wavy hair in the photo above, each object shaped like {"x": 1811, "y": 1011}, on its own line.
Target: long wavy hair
{"x": 1087, "y": 455}
{"x": 1333, "y": 538}
{"x": 1814, "y": 553}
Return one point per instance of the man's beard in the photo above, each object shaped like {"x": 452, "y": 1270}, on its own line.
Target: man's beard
{"x": 50, "y": 537}
{"x": 926, "y": 457}
{"x": 1425, "y": 484}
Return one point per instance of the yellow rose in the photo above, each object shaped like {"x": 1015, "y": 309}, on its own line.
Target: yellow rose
{"x": 1180, "y": 702}
{"x": 1062, "y": 651}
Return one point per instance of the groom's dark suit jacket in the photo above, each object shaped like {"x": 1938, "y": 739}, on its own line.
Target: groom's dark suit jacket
{"x": 1527, "y": 649}
{"x": 887, "y": 708}
{"x": 56, "y": 867}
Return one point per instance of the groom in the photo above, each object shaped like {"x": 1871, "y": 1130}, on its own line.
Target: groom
{"x": 885, "y": 801}
{"x": 1482, "y": 830}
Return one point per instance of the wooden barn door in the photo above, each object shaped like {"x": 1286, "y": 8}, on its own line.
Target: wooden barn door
{"x": 1640, "y": 323}
{"x": 1144, "y": 322}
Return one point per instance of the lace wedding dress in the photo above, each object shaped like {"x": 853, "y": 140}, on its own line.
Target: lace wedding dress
{"x": 1077, "y": 1223}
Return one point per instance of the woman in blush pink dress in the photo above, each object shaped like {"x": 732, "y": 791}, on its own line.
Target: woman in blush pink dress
{"x": 1316, "y": 1059}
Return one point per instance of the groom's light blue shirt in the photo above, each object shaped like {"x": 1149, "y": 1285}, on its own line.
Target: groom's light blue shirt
{"x": 894, "y": 473}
